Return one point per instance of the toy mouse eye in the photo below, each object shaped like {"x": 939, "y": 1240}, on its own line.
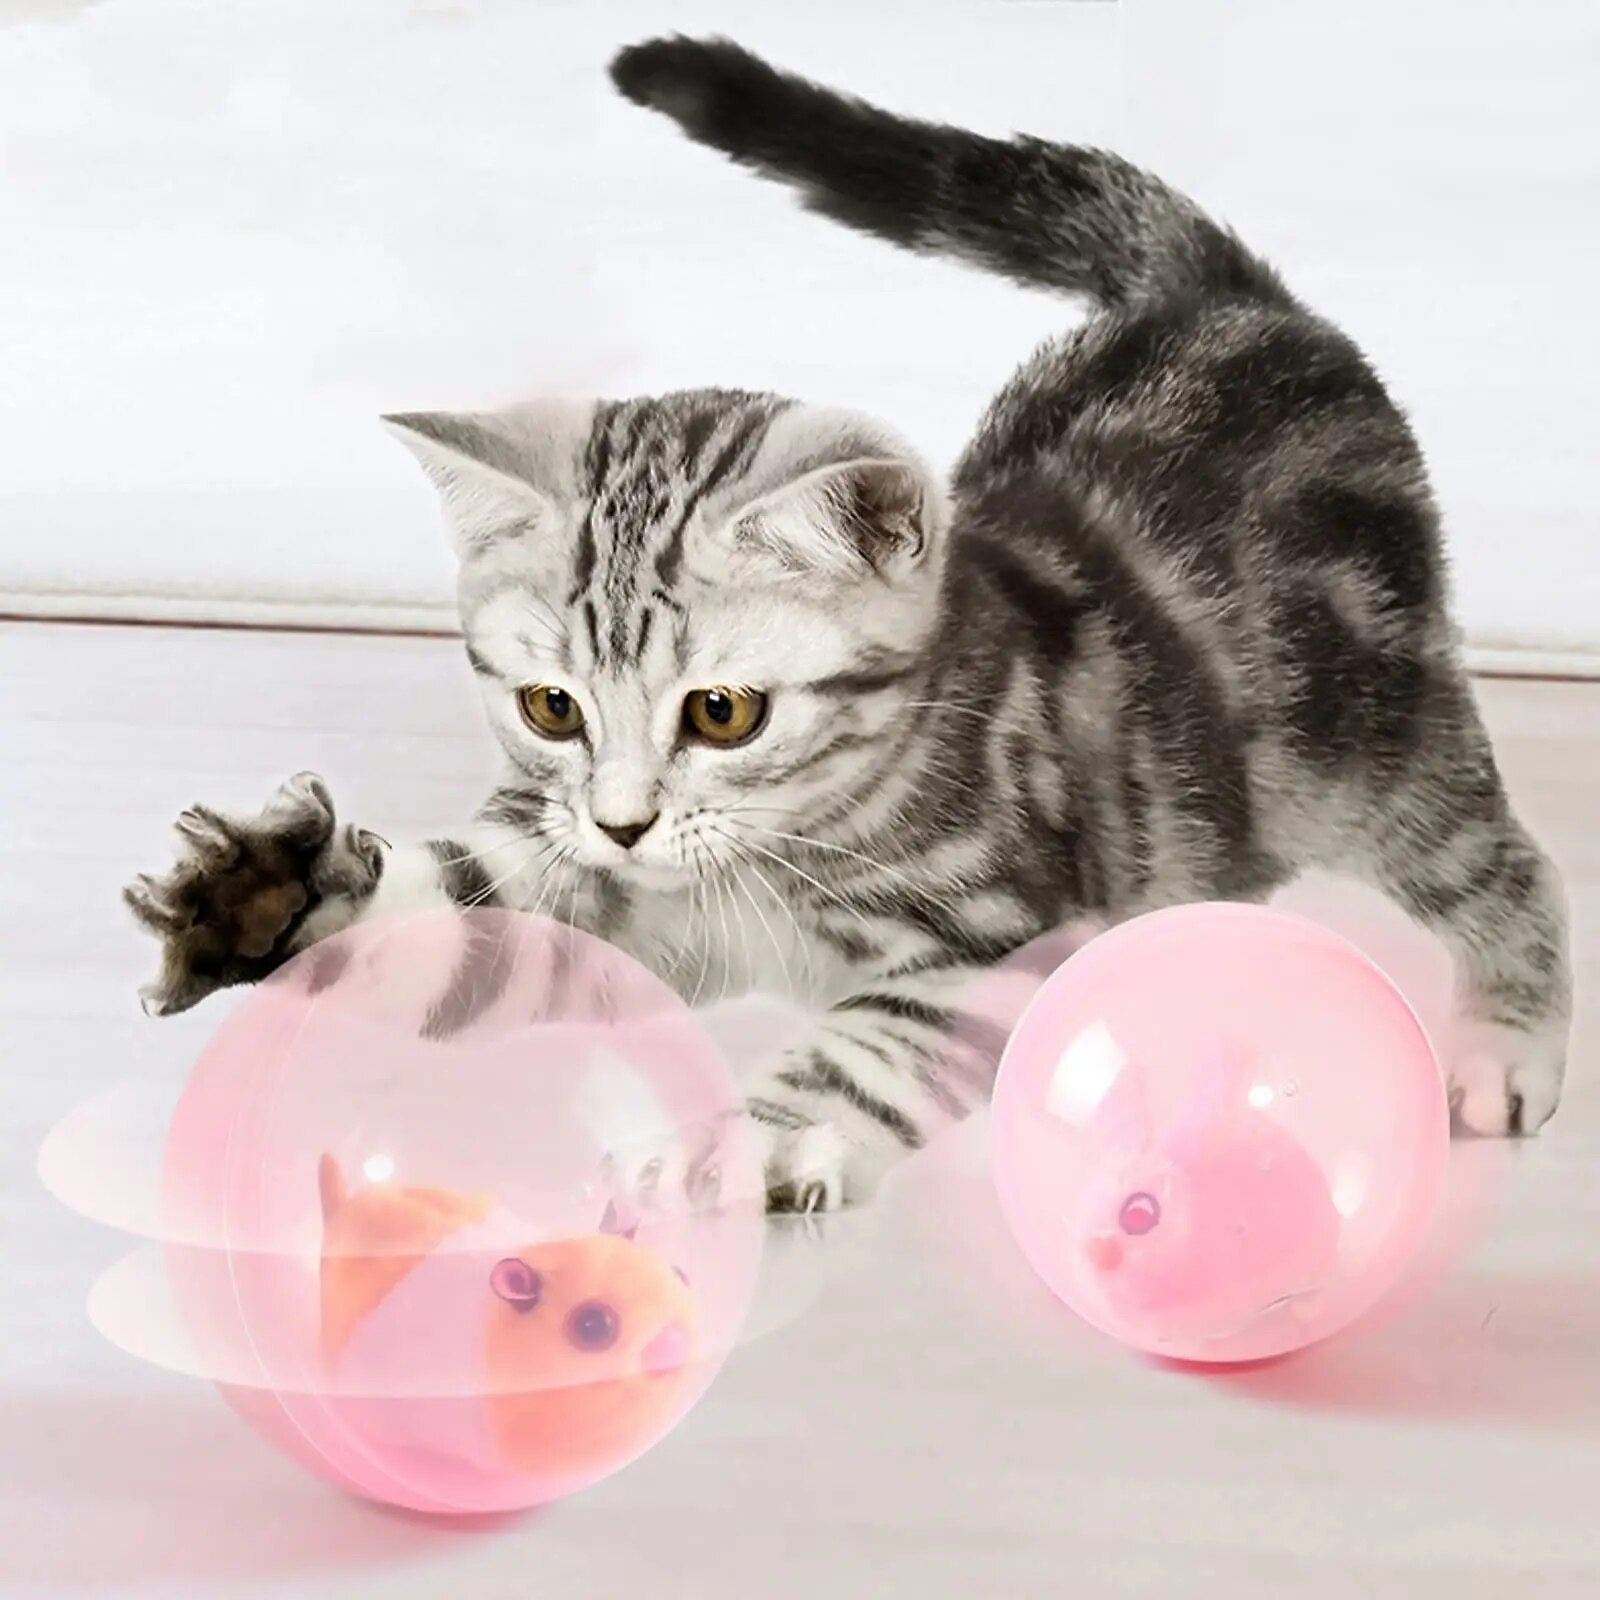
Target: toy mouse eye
{"x": 593, "y": 1326}
{"x": 516, "y": 1283}
{"x": 1139, "y": 1214}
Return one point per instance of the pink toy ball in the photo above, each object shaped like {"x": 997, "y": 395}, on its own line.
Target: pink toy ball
{"x": 1219, "y": 1133}
{"x": 459, "y": 1212}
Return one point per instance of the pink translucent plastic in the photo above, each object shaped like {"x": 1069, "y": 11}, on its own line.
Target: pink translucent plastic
{"x": 574, "y": 1113}
{"x": 1220, "y": 1133}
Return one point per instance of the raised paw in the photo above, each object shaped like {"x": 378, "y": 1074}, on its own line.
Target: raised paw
{"x": 245, "y": 892}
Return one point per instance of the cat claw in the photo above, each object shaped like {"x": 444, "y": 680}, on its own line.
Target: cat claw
{"x": 159, "y": 999}
{"x": 147, "y": 897}
{"x": 302, "y": 809}
{"x": 1503, "y": 1080}
{"x": 152, "y": 1002}
{"x": 206, "y": 833}
{"x": 805, "y": 1170}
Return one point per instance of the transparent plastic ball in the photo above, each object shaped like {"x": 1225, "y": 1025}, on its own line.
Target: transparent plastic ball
{"x": 1219, "y": 1133}
{"x": 461, "y": 1204}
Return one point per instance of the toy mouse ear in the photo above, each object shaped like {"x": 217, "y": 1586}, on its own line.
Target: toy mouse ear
{"x": 330, "y": 1185}
{"x": 611, "y": 1222}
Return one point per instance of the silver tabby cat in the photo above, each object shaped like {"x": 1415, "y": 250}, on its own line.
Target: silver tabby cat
{"x": 780, "y": 708}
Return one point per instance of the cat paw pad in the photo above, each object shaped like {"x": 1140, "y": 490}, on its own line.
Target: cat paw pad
{"x": 227, "y": 909}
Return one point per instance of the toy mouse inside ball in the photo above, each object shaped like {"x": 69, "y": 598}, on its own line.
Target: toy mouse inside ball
{"x": 462, "y": 1207}
{"x": 1219, "y": 1133}
{"x": 584, "y": 1345}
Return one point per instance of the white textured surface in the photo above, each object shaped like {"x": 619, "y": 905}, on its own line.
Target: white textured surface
{"x": 930, "y": 1427}
{"x": 235, "y": 233}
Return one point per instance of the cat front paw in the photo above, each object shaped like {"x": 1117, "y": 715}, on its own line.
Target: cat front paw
{"x": 807, "y": 1167}
{"x": 245, "y": 893}
{"x": 1505, "y": 1080}
{"x": 804, "y": 1171}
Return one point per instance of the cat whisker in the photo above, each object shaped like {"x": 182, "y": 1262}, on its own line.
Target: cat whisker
{"x": 802, "y": 874}
{"x": 772, "y": 938}
{"x": 714, "y": 879}
{"x": 680, "y": 954}
{"x": 491, "y": 889}
{"x": 934, "y": 899}
{"x": 705, "y": 953}
{"x": 977, "y": 711}
{"x": 553, "y": 881}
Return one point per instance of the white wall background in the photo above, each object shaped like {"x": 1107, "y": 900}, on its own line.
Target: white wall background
{"x": 232, "y": 233}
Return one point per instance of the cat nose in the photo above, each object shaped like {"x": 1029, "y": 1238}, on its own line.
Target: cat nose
{"x": 627, "y": 834}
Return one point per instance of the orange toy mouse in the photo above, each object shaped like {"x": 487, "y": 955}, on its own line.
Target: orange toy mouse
{"x": 557, "y": 1360}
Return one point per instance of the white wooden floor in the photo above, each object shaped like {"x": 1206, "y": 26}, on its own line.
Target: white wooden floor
{"x": 929, "y": 1426}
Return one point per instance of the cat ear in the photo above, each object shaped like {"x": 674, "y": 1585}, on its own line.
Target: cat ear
{"x": 330, "y": 1186}
{"x": 829, "y": 492}
{"x": 499, "y": 474}
{"x": 871, "y": 515}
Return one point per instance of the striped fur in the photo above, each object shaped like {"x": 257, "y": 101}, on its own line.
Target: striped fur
{"x": 1176, "y": 628}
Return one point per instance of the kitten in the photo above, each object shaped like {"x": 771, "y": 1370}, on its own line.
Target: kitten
{"x": 779, "y": 708}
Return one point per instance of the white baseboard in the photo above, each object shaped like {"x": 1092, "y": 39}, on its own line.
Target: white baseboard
{"x": 1502, "y": 658}
{"x": 212, "y": 611}
{"x": 1532, "y": 661}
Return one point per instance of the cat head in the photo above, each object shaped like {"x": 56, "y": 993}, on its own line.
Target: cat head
{"x": 693, "y": 617}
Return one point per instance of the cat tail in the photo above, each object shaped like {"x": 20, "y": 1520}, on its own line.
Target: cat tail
{"x": 1049, "y": 215}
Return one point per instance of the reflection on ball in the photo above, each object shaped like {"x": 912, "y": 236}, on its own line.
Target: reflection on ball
{"x": 467, "y": 1197}
{"x": 1219, "y": 1133}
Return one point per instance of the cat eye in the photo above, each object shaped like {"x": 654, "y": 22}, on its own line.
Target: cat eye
{"x": 724, "y": 716}
{"x": 1139, "y": 1214}
{"x": 593, "y": 1326}
{"x": 550, "y": 710}
{"x": 516, "y": 1283}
